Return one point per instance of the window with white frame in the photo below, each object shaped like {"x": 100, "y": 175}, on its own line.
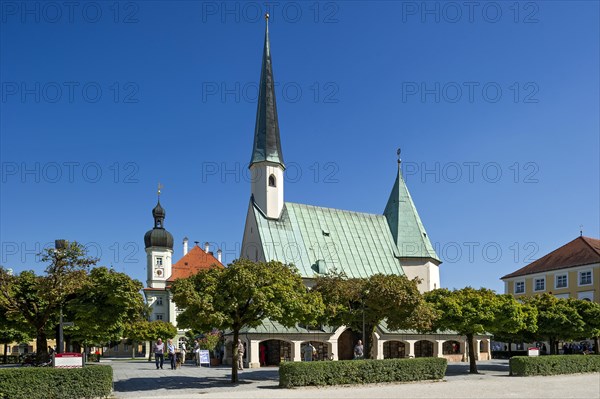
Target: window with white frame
{"x": 539, "y": 284}
{"x": 519, "y": 287}
{"x": 159, "y": 261}
{"x": 159, "y": 301}
{"x": 159, "y": 316}
{"x": 561, "y": 281}
{"x": 585, "y": 277}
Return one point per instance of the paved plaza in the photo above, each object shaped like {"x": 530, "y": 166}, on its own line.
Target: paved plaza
{"x": 140, "y": 379}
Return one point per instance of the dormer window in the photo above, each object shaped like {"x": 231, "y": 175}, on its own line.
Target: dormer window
{"x": 272, "y": 181}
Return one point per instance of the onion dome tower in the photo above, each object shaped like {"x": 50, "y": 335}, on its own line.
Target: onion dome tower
{"x": 159, "y": 248}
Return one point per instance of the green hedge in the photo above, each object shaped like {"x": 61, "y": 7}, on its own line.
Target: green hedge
{"x": 49, "y": 383}
{"x": 554, "y": 364}
{"x": 295, "y": 374}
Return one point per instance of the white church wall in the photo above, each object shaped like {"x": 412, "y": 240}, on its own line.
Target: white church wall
{"x": 427, "y": 271}
{"x": 269, "y": 199}
{"x": 251, "y": 243}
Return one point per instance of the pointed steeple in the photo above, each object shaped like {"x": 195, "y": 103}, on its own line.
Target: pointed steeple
{"x": 267, "y": 144}
{"x": 405, "y": 224}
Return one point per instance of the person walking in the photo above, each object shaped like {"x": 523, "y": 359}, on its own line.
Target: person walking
{"x": 241, "y": 350}
{"x": 171, "y": 349}
{"x": 159, "y": 353}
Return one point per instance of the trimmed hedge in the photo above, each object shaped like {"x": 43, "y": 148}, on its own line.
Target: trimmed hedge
{"x": 51, "y": 383}
{"x": 295, "y": 374}
{"x": 554, "y": 364}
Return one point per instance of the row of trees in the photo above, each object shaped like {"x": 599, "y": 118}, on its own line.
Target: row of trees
{"x": 245, "y": 293}
{"x": 103, "y": 304}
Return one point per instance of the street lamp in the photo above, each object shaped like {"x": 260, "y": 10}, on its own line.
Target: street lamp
{"x": 58, "y": 246}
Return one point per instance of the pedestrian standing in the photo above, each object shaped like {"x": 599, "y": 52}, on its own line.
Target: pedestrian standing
{"x": 171, "y": 349}
{"x": 359, "y": 350}
{"x": 197, "y": 352}
{"x": 183, "y": 350}
{"x": 159, "y": 353}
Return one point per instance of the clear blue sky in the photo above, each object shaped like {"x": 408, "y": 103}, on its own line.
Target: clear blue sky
{"x": 496, "y": 109}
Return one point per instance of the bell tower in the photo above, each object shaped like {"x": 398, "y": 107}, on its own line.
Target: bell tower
{"x": 159, "y": 249}
{"x": 266, "y": 164}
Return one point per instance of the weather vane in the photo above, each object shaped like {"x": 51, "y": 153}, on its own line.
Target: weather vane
{"x": 398, "y": 153}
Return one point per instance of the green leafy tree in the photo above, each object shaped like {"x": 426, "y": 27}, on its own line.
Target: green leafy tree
{"x": 144, "y": 331}
{"x": 103, "y": 305}
{"x": 590, "y": 314}
{"x": 38, "y": 299}
{"x": 243, "y": 295}
{"x": 525, "y": 332}
{"x": 472, "y": 312}
{"x": 558, "y": 319}
{"x": 11, "y": 331}
{"x": 358, "y": 302}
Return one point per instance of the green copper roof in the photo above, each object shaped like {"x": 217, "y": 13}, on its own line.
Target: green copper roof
{"x": 267, "y": 143}
{"x": 317, "y": 240}
{"x": 404, "y": 221}
{"x": 273, "y": 327}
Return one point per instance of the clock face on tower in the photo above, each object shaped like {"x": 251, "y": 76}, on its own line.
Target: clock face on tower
{"x": 159, "y": 272}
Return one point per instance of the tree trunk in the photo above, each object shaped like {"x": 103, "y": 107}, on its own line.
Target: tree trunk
{"x": 472, "y": 356}
{"x": 553, "y": 346}
{"x": 236, "y": 355}
{"x": 368, "y": 344}
{"x": 5, "y": 354}
{"x": 133, "y": 349}
{"x": 41, "y": 342}
{"x": 596, "y": 344}
{"x": 509, "y": 349}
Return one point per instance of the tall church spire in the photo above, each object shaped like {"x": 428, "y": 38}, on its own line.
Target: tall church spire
{"x": 267, "y": 144}
{"x": 404, "y": 222}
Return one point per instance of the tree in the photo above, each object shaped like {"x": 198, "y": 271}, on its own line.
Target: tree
{"x": 38, "y": 299}
{"x": 243, "y": 295}
{"x": 558, "y": 319}
{"x": 525, "y": 333}
{"x": 9, "y": 334}
{"x": 590, "y": 314}
{"x": 103, "y": 305}
{"x": 144, "y": 330}
{"x": 471, "y": 312}
{"x": 358, "y": 302}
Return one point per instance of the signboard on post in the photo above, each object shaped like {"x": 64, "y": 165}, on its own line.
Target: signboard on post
{"x": 68, "y": 360}
{"x": 533, "y": 351}
{"x": 204, "y": 357}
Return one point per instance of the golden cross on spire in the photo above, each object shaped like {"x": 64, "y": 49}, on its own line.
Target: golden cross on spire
{"x": 160, "y": 186}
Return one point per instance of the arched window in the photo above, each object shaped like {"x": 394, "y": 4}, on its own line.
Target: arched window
{"x": 272, "y": 181}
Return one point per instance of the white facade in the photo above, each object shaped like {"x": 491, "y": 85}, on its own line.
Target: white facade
{"x": 427, "y": 271}
{"x": 159, "y": 266}
{"x": 267, "y": 187}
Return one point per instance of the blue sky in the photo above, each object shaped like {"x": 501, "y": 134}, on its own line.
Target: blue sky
{"x": 494, "y": 105}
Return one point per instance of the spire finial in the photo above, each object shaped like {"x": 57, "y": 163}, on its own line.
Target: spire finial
{"x": 160, "y": 186}
{"x": 580, "y": 230}
{"x": 267, "y": 17}
{"x": 398, "y": 151}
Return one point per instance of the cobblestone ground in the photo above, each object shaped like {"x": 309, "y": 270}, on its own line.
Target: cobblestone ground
{"x": 140, "y": 379}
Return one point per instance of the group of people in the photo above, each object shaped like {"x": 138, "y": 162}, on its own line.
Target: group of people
{"x": 159, "y": 353}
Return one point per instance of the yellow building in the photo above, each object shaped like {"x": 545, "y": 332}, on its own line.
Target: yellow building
{"x": 571, "y": 271}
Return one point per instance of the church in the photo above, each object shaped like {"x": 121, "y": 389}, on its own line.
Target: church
{"x": 318, "y": 240}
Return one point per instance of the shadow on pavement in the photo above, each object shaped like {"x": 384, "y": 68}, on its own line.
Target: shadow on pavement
{"x": 176, "y": 382}
{"x": 463, "y": 368}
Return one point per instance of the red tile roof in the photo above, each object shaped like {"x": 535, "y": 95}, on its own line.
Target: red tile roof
{"x": 581, "y": 251}
{"x": 193, "y": 262}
